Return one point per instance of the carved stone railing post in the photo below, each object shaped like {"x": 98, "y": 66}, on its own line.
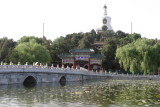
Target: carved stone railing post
{"x": 10, "y": 63}
{"x": 40, "y": 65}
{"x": 19, "y": 63}
{"x": 26, "y": 63}
{"x": 52, "y": 66}
{"x": 62, "y": 65}
{"x": 1, "y": 62}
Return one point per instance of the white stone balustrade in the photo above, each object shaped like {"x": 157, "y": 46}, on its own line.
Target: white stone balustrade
{"x": 45, "y": 68}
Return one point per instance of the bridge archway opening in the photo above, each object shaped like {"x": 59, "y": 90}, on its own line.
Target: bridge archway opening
{"x": 62, "y": 81}
{"x": 30, "y": 81}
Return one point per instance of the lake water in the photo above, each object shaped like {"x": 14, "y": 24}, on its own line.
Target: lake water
{"x": 104, "y": 93}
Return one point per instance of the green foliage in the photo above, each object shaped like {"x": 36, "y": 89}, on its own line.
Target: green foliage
{"x": 107, "y": 34}
{"x": 6, "y": 46}
{"x": 112, "y": 41}
{"x": 28, "y": 38}
{"x": 30, "y": 52}
{"x": 60, "y": 45}
{"x": 140, "y": 56}
{"x": 74, "y": 38}
{"x": 86, "y": 41}
{"x": 109, "y": 50}
{"x": 128, "y": 39}
{"x": 120, "y": 34}
{"x": 42, "y": 41}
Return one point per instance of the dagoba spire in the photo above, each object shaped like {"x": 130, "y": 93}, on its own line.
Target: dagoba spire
{"x": 105, "y": 27}
{"x": 105, "y": 10}
{"x": 106, "y": 20}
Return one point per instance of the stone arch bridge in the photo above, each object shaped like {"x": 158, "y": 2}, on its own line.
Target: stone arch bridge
{"x": 11, "y": 74}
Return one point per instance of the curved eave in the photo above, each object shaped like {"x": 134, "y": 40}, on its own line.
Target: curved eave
{"x": 62, "y": 56}
{"x": 83, "y": 50}
{"x": 98, "y": 56}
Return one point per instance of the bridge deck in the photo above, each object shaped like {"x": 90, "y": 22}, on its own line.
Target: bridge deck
{"x": 46, "y": 69}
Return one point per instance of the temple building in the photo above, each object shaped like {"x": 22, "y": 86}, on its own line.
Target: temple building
{"x": 85, "y": 58}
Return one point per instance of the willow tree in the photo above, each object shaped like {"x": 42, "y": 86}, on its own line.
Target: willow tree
{"x": 30, "y": 52}
{"x": 142, "y": 55}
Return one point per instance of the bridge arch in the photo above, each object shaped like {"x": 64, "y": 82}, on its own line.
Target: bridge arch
{"x": 29, "y": 81}
{"x": 62, "y": 80}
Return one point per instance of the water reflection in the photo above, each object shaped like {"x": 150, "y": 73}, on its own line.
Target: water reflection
{"x": 107, "y": 93}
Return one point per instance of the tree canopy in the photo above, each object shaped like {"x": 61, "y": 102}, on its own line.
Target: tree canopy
{"x": 111, "y": 43}
{"x": 143, "y": 55}
{"x": 109, "y": 50}
{"x": 87, "y": 41}
{"x": 30, "y": 52}
{"x": 6, "y": 46}
{"x": 28, "y": 38}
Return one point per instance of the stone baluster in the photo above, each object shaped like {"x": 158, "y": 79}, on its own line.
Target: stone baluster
{"x": 26, "y": 63}
{"x": 10, "y": 63}
{"x": 62, "y": 65}
{"x": 40, "y": 64}
{"x": 105, "y": 71}
{"x": 1, "y": 62}
{"x": 67, "y": 66}
{"x": 57, "y": 66}
{"x": 5, "y": 65}
{"x": 46, "y": 66}
{"x": 18, "y": 65}
{"x": 52, "y": 66}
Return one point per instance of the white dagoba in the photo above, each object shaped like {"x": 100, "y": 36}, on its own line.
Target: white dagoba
{"x": 106, "y": 21}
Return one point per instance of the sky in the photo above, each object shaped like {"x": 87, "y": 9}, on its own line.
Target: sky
{"x": 20, "y": 18}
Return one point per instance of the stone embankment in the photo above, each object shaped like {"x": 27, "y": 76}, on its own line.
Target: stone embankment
{"x": 134, "y": 77}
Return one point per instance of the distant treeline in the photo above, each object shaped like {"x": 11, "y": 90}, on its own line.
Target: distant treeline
{"x": 133, "y": 53}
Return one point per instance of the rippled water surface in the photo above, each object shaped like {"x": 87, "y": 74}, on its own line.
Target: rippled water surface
{"x": 106, "y": 93}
